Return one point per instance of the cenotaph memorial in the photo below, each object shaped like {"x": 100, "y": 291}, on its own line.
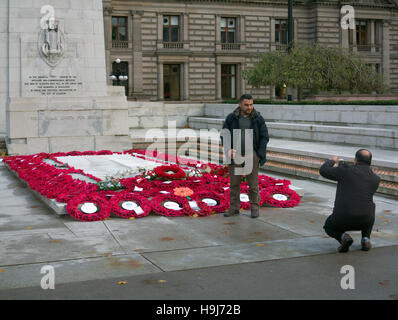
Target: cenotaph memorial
{"x": 53, "y": 82}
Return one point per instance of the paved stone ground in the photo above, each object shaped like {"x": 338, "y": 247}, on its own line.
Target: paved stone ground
{"x": 32, "y": 236}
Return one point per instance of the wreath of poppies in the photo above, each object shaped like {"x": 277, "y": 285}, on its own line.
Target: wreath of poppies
{"x": 279, "y": 196}
{"x": 88, "y": 207}
{"x": 45, "y": 174}
{"x": 244, "y": 190}
{"x": 128, "y": 205}
{"x": 159, "y": 205}
{"x": 164, "y": 172}
{"x": 222, "y": 204}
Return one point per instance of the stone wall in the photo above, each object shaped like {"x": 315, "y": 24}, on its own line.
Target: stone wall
{"x": 385, "y": 117}
{"x": 146, "y": 115}
{"x": 3, "y": 64}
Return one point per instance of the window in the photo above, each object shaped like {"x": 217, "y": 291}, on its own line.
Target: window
{"x": 281, "y": 32}
{"x": 228, "y": 30}
{"x": 362, "y": 35}
{"x": 119, "y": 29}
{"x": 171, "y": 81}
{"x": 171, "y": 28}
{"x": 228, "y": 81}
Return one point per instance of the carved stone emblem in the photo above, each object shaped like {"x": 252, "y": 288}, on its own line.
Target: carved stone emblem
{"x": 51, "y": 42}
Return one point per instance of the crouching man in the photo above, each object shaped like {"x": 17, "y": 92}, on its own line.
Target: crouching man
{"x": 354, "y": 208}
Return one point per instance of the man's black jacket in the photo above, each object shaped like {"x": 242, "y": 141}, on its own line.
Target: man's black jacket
{"x": 354, "y": 195}
{"x": 260, "y": 132}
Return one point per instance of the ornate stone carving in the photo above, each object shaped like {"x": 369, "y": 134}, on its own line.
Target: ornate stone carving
{"x": 51, "y": 43}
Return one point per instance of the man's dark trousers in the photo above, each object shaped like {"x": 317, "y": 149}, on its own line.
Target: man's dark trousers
{"x": 354, "y": 208}
{"x": 252, "y": 181}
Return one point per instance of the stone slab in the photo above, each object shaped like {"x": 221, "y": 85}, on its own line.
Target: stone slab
{"x": 40, "y": 247}
{"x": 109, "y": 266}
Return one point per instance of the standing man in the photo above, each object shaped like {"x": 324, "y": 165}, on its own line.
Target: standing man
{"x": 245, "y": 138}
{"x": 354, "y": 208}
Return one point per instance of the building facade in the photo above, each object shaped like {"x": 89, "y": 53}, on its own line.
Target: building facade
{"x": 197, "y": 50}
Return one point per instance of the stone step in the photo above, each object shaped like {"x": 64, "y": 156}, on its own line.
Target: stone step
{"x": 371, "y": 116}
{"x": 363, "y": 136}
{"x": 293, "y": 161}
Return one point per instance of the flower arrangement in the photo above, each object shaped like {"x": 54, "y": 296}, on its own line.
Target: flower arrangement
{"x": 169, "y": 172}
{"x": 183, "y": 192}
{"x": 170, "y": 205}
{"x": 218, "y": 203}
{"x": 88, "y": 207}
{"x": 128, "y": 205}
{"x": 167, "y": 184}
{"x": 279, "y": 196}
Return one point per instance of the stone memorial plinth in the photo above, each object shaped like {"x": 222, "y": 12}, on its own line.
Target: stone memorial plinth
{"x": 58, "y": 98}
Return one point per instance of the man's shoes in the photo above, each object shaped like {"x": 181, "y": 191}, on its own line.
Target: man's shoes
{"x": 366, "y": 245}
{"x": 346, "y": 242}
{"x": 231, "y": 213}
{"x": 254, "y": 214}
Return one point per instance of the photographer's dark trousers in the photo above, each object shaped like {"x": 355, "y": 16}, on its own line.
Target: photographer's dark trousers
{"x": 336, "y": 229}
{"x": 252, "y": 181}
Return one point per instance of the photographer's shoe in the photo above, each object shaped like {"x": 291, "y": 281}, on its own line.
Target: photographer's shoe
{"x": 346, "y": 242}
{"x": 366, "y": 245}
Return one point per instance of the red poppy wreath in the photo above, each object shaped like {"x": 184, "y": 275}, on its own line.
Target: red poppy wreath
{"x": 127, "y": 205}
{"x": 171, "y": 206}
{"x": 217, "y": 202}
{"x": 169, "y": 172}
{"x": 279, "y": 196}
{"x": 244, "y": 197}
{"x": 88, "y": 207}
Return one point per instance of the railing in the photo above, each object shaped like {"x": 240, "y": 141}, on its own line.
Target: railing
{"x": 366, "y": 48}
{"x": 281, "y": 47}
{"x": 173, "y": 45}
{"x": 230, "y": 46}
{"x": 120, "y": 44}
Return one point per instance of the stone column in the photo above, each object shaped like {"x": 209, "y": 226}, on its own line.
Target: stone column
{"x": 218, "y": 33}
{"x": 242, "y": 38}
{"x": 137, "y": 54}
{"x": 130, "y": 30}
{"x": 345, "y": 44}
{"x": 386, "y": 51}
{"x": 160, "y": 81}
{"x": 218, "y": 80}
{"x": 272, "y": 34}
{"x": 372, "y": 36}
{"x": 159, "y": 42}
{"x": 354, "y": 39}
{"x": 295, "y": 30}
{"x": 186, "y": 80}
{"x": 240, "y": 82}
{"x": 185, "y": 25}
